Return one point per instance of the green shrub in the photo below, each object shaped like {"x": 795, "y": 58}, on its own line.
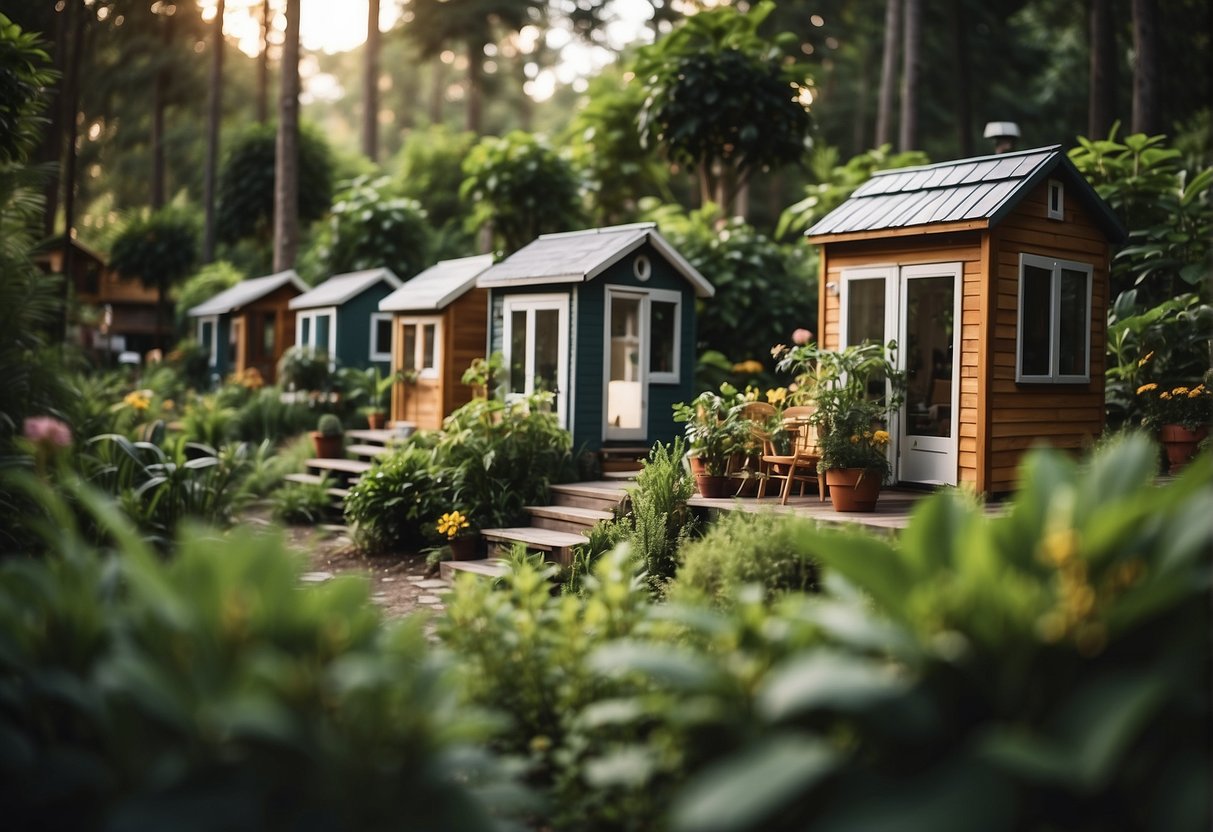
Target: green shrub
{"x": 394, "y": 506}
{"x": 329, "y": 425}
{"x": 302, "y": 503}
{"x": 265, "y": 416}
{"x": 208, "y": 421}
{"x": 211, "y": 691}
{"x": 741, "y": 549}
{"x": 269, "y": 465}
{"x": 303, "y": 368}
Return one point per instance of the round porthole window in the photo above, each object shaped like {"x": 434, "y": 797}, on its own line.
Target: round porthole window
{"x": 642, "y": 268}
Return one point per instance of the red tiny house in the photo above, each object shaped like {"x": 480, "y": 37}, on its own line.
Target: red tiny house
{"x": 992, "y": 276}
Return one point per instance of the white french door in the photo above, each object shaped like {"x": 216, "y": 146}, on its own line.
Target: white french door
{"x": 626, "y": 359}
{"x": 536, "y": 341}
{"x": 919, "y": 307}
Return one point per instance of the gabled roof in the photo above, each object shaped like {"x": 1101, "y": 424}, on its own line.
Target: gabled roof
{"x": 246, "y": 292}
{"x": 579, "y": 256}
{"x": 438, "y": 286}
{"x": 983, "y": 189}
{"x": 344, "y": 287}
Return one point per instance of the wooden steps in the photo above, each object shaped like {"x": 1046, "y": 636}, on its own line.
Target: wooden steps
{"x": 618, "y": 458}
{"x": 570, "y": 519}
{"x": 486, "y": 568}
{"x": 555, "y": 546}
{"x": 347, "y": 467}
{"x": 602, "y": 495}
{"x": 370, "y": 452}
{"x": 305, "y": 479}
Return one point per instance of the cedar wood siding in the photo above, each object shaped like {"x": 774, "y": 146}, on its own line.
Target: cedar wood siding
{"x": 274, "y": 303}
{"x": 1067, "y": 416}
{"x": 963, "y": 247}
{"x": 999, "y": 419}
{"x": 464, "y": 337}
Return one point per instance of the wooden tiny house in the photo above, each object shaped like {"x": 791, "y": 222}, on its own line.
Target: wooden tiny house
{"x": 341, "y": 318}
{"x": 992, "y": 275}
{"x": 439, "y": 325}
{"x": 605, "y": 320}
{"x": 249, "y": 325}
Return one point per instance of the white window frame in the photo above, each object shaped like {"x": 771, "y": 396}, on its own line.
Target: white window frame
{"x": 213, "y": 320}
{"x": 311, "y": 315}
{"x": 419, "y": 343}
{"x": 1054, "y": 266}
{"x": 381, "y": 354}
{"x": 662, "y": 296}
{"x": 1056, "y": 186}
{"x": 532, "y": 304}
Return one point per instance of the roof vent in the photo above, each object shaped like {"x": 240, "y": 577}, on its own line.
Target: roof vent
{"x": 1004, "y": 134}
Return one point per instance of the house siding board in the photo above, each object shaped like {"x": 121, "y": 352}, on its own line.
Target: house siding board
{"x": 354, "y": 327}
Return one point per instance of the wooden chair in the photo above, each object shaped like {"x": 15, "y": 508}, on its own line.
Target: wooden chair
{"x": 758, "y": 414}
{"x": 800, "y": 466}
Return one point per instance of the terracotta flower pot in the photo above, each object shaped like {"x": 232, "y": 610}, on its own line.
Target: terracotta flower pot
{"x": 1180, "y": 444}
{"x": 376, "y": 420}
{"x": 328, "y": 447}
{"x": 464, "y": 547}
{"x": 712, "y": 487}
{"x": 853, "y": 489}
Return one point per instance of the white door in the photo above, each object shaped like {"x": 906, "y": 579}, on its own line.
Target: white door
{"x": 919, "y": 307}
{"x": 536, "y": 339}
{"x": 626, "y": 411}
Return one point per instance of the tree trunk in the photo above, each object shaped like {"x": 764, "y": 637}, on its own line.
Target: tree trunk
{"x": 159, "y": 103}
{"x": 888, "y": 73}
{"x": 438, "y": 91}
{"x": 71, "y": 95}
{"x": 1101, "y": 101}
{"x": 51, "y": 152}
{"x": 964, "y": 112}
{"x": 526, "y": 107}
{"x": 859, "y": 123}
{"x": 475, "y": 84}
{"x": 286, "y": 165}
{"x": 911, "y": 60}
{"x": 263, "y": 65}
{"x": 214, "y": 114}
{"x": 1145, "y": 67}
{"x": 370, "y": 84}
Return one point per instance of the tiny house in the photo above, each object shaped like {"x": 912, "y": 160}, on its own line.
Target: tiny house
{"x": 341, "y": 319}
{"x": 438, "y": 323}
{"x": 992, "y": 274}
{"x": 249, "y": 325}
{"x": 603, "y": 319}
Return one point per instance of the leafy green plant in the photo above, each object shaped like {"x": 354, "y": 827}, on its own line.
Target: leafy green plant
{"x": 208, "y": 421}
{"x": 371, "y": 225}
{"x": 265, "y": 415}
{"x": 269, "y": 464}
{"x": 329, "y": 425}
{"x": 714, "y": 428}
{"x": 211, "y": 690}
{"x": 303, "y": 368}
{"x": 740, "y": 550}
{"x": 393, "y": 507}
{"x": 303, "y": 503}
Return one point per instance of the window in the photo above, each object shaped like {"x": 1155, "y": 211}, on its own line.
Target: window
{"x": 536, "y": 339}
{"x": 1054, "y": 337}
{"x": 1057, "y": 200}
{"x": 316, "y": 329}
{"x": 665, "y": 327}
{"x": 381, "y": 336}
{"x": 419, "y": 348}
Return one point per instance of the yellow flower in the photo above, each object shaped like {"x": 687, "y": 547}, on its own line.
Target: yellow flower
{"x": 855, "y": 439}
{"x": 451, "y": 523}
{"x": 777, "y": 396}
{"x": 169, "y": 404}
{"x": 1146, "y": 388}
{"x": 778, "y": 350}
{"x": 136, "y": 400}
{"x": 1197, "y": 391}
{"x": 748, "y": 366}
{"x": 1145, "y": 359}
{"x": 880, "y": 437}
{"x": 1180, "y": 391}
{"x": 1164, "y": 395}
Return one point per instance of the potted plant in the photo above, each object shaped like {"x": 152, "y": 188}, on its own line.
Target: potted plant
{"x": 714, "y": 432}
{"x": 329, "y": 437}
{"x": 855, "y": 391}
{"x": 1180, "y": 414}
{"x": 371, "y": 389}
{"x": 460, "y": 535}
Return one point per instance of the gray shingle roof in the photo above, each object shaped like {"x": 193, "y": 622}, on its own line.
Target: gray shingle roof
{"x": 984, "y": 188}
{"x": 578, "y": 256}
{"x": 343, "y": 287}
{"x": 438, "y": 286}
{"x": 246, "y": 292}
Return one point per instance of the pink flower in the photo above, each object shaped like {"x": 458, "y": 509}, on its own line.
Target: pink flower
{"x": 801, "y": 337}
{"x": 47, "y": 430}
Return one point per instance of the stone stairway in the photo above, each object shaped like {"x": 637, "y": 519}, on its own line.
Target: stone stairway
{"x": 554, "y": 530}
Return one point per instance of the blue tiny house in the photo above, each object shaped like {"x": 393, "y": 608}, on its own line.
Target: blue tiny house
{"x": 341, "y": 318}
{"x": 249, "y": 325}
{"x": 605, "y": 320}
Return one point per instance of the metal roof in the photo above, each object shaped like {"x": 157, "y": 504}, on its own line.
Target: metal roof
{"x": 246, "y": 292}
{"x": 343, "y": 287}
{"x": 579, "y": 256}
{"x": 983, "y": 188}
{"x": 438, "y": 286}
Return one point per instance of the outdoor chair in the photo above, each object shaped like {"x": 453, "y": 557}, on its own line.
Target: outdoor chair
{"x": 800, "y": 466}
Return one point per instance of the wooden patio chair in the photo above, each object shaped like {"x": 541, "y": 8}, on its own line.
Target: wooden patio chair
{"x": 800, "y": 466}
{"x": 758, "y": 414}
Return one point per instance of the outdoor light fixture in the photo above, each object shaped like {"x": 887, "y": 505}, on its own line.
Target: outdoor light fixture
{"x": 1004, "y": 134}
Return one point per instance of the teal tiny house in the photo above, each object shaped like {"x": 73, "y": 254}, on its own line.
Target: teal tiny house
{"x": 341, "y": 318}
{"x": 605, "y": 320}
{"x": 249, "y": 325}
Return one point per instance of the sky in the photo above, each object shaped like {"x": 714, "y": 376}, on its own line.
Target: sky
{"x": 340, "y": 25}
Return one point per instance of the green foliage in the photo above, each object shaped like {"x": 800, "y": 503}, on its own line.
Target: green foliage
{"x": 24, "y": 72}
{"x": 835, "y": 183}
{"x": 764, "y": 290}
{"x": 430, "y": 170}
{"x": 520, "y": 186}
{"x": 203, "y": 285}
{"x": 212, "y": 691}
{"x": 661, "y": 521}
{"x": 303, "y": 368}
{"x": 394, "y": 506}
{"x": 742, "y": 549}
{"x": 372, "y": 226}
{"x": 269, "y": 465}
{"x": 159, "y": 250}
{"x": 329, "y": 425}
{"x": 265, "y": 416}
{"x": 246, "y": 182}
{"x": 714, "y": 428}
{"x": 367, "y": 388}
{"x": 723, "y": 99}
{"x": 207, "y": 420}
{"x": 299, "y": 503}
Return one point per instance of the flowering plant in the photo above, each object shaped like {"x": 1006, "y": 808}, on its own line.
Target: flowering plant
{"x": 454, "y": 524}
{"x": 1177, "y": 403}
{"x": 855, "y": 391}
